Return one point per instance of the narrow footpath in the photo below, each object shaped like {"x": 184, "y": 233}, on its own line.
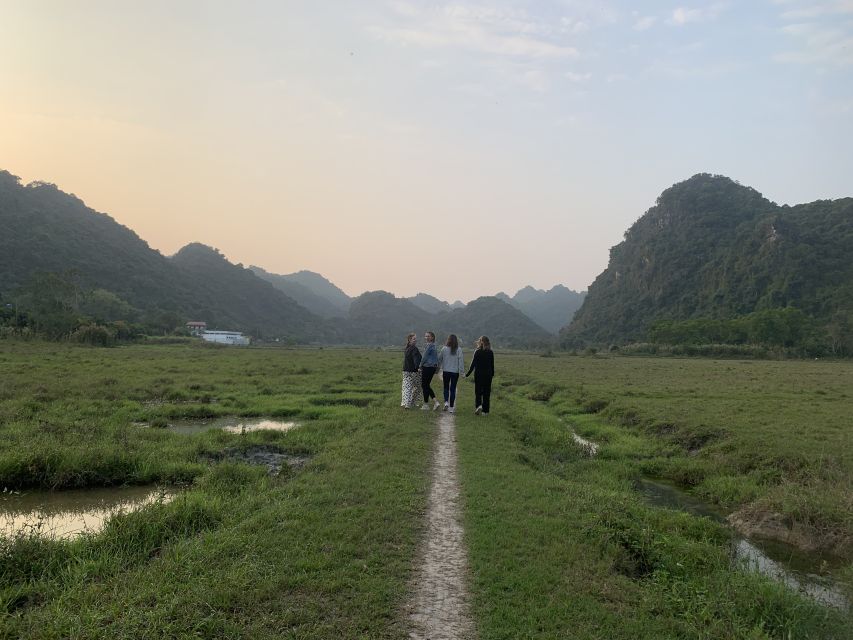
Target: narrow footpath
{"x": 439, "y": 606}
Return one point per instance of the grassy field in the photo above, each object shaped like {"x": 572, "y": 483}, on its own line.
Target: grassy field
{"x": 560, "y": 544}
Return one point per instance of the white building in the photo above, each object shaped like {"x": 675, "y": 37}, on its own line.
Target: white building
{"x": 225, "y": 337}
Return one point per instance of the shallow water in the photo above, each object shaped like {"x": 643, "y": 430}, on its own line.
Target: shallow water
{"x": 786, "y": 564}
{"x": 67, "y": 514}
{"x": 230, "y": 424}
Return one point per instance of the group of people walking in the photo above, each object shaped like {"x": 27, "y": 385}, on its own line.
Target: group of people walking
{"x": 419, "y": 370}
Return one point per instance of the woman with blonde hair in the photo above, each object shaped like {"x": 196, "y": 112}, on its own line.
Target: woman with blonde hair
{"x": 483, "y": 366}
{"x": 411, "y": 377}
{"x": 452, "y": 364}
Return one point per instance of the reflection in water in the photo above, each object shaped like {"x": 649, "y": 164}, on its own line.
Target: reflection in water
{"x": 66, "y": 514}
{"x": 590, "y": 447}
{"x": 747, "y": 554}
{"x": 231, "y": 425}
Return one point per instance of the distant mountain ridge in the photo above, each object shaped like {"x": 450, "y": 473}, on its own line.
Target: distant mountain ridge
{"x": 712, "y": 248}
{"x": 47, "y": 230}
{"x": 321, "y": 300}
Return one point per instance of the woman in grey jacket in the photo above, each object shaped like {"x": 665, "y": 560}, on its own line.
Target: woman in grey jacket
{"x": 452, "y": 364}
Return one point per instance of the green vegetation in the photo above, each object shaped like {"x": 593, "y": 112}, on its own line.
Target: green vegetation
{"x": 559, "y": 542}
{"x": 713, "y": 250}
{"x": 317, "y": 553}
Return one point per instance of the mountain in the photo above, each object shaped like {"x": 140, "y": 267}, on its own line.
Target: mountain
{"x": 429, "y": 303}
{"x": 47, "y": 230}
{"x": 304, "y": 296}
{"x": 505, "y": 325}
{"x": 379, "y": 317}
{"x": 552, "y": 309}
{"x": 321, "y": 287}
{"x": 227, "y": 295}
{"x": 712, "y": 248}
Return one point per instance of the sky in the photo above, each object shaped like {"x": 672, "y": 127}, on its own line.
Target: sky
{"x": 454, "y": 148}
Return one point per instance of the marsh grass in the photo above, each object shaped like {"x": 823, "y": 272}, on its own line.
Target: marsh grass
{"x": 560, "y": 543}
{"x": 319, "y": 552}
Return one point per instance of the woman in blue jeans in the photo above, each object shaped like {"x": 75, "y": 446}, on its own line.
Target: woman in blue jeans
{"x": 452, "y": 364}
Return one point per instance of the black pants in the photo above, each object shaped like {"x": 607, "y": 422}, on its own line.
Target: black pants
{"x": 482, "y": 392}
{"x": 450, "y": 379}
{"x": 426, "y": 379}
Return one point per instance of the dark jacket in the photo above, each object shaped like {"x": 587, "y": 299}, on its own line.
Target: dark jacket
{"x": 483, "y": 364}
{"x": 412, "y": 359}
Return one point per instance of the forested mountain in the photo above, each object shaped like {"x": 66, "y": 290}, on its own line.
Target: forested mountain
{"x": 552, "y": 309}
{"x": 227, "y": 295}
{"x": 378, "y": 317}
{"x": 322, "y": 287}
{"x": 304, "y": 296}
{"x": 429, "y": 303}
{"x": 505, "y": 325}
{"x": 712, "y": 248}
{"x": 48, "y": 231}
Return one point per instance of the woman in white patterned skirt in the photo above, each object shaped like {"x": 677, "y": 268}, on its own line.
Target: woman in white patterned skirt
{"x": 411, "y": 376}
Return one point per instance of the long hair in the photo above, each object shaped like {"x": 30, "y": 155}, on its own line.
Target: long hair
{"x": 452, "y": 342}
{"x": 409, "y": 339}
{"x": 483, "y": 343}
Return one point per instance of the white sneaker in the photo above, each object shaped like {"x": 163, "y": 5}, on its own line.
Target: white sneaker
{"x": 446, "y": 406}
{"x": 425, "y": 407}
{"x": 478, "y": 410}
{"x": 436, "y": 405}
{"x": 452, "y": 409}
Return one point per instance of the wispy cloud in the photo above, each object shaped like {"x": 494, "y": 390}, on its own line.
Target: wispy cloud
{"x": 684, "y": 15}
{"x": 578, "y": 77}
{"x": 820, "y": 33}
{"x": 485, "y": 30}
{"x": 645, "y": 22}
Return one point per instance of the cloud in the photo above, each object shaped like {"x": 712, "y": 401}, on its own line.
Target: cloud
{"x": 816, "y": 10}
{"x": 485, "y": 30}
{"x": 644, "y": 23}
{"x": 818, "y": 43}
{"x": 578, "y": 77}
{"x": 818, "y": 32}
{"x": 683, "y": 15}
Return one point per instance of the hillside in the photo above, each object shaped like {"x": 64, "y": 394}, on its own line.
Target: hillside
{"x": 378, "y": 317}
{"x": 552, "y": 309}
{"x": 429, "y": 303}
{"x": 47, "y": 230}
{"x": 227, "y": 295}
{"x": 712, "y": 248}
{"x": 505, "y": 325}
{"x": 303, "y": 296}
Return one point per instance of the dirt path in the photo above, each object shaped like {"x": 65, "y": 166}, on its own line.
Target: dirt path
{"x": 438, "y": 609}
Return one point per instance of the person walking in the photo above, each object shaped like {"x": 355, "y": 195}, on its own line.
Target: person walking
{"x": 429, "y": 365}
{"x": 483, "y": 366}
{"x": 452, "y": 364}
{"x": 411, "y": 379}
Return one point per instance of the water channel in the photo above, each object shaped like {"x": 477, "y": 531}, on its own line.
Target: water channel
{"x": 796, "y": 569}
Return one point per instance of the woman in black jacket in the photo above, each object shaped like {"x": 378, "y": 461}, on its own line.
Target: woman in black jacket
{"x": 483, "y": 366}
{"x": 411, "y": 377}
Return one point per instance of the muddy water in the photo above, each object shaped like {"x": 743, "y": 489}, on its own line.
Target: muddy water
{"x": 66, "y": 514}
{"x": 230, "y": 424}
{"x": 780, "y": 562}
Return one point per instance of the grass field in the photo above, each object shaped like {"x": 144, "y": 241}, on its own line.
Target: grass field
{"x": 560, "y": 544}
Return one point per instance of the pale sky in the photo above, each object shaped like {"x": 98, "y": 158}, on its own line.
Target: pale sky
{"x": 454, "y": 148}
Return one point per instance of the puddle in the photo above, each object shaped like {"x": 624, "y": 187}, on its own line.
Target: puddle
{"x": 588, "y": 446}
{"x": 269, "y": 457}
{"x": 783, "y": 563}
{"x": 67, "y": 514}
{"x": 229, "y": 424}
